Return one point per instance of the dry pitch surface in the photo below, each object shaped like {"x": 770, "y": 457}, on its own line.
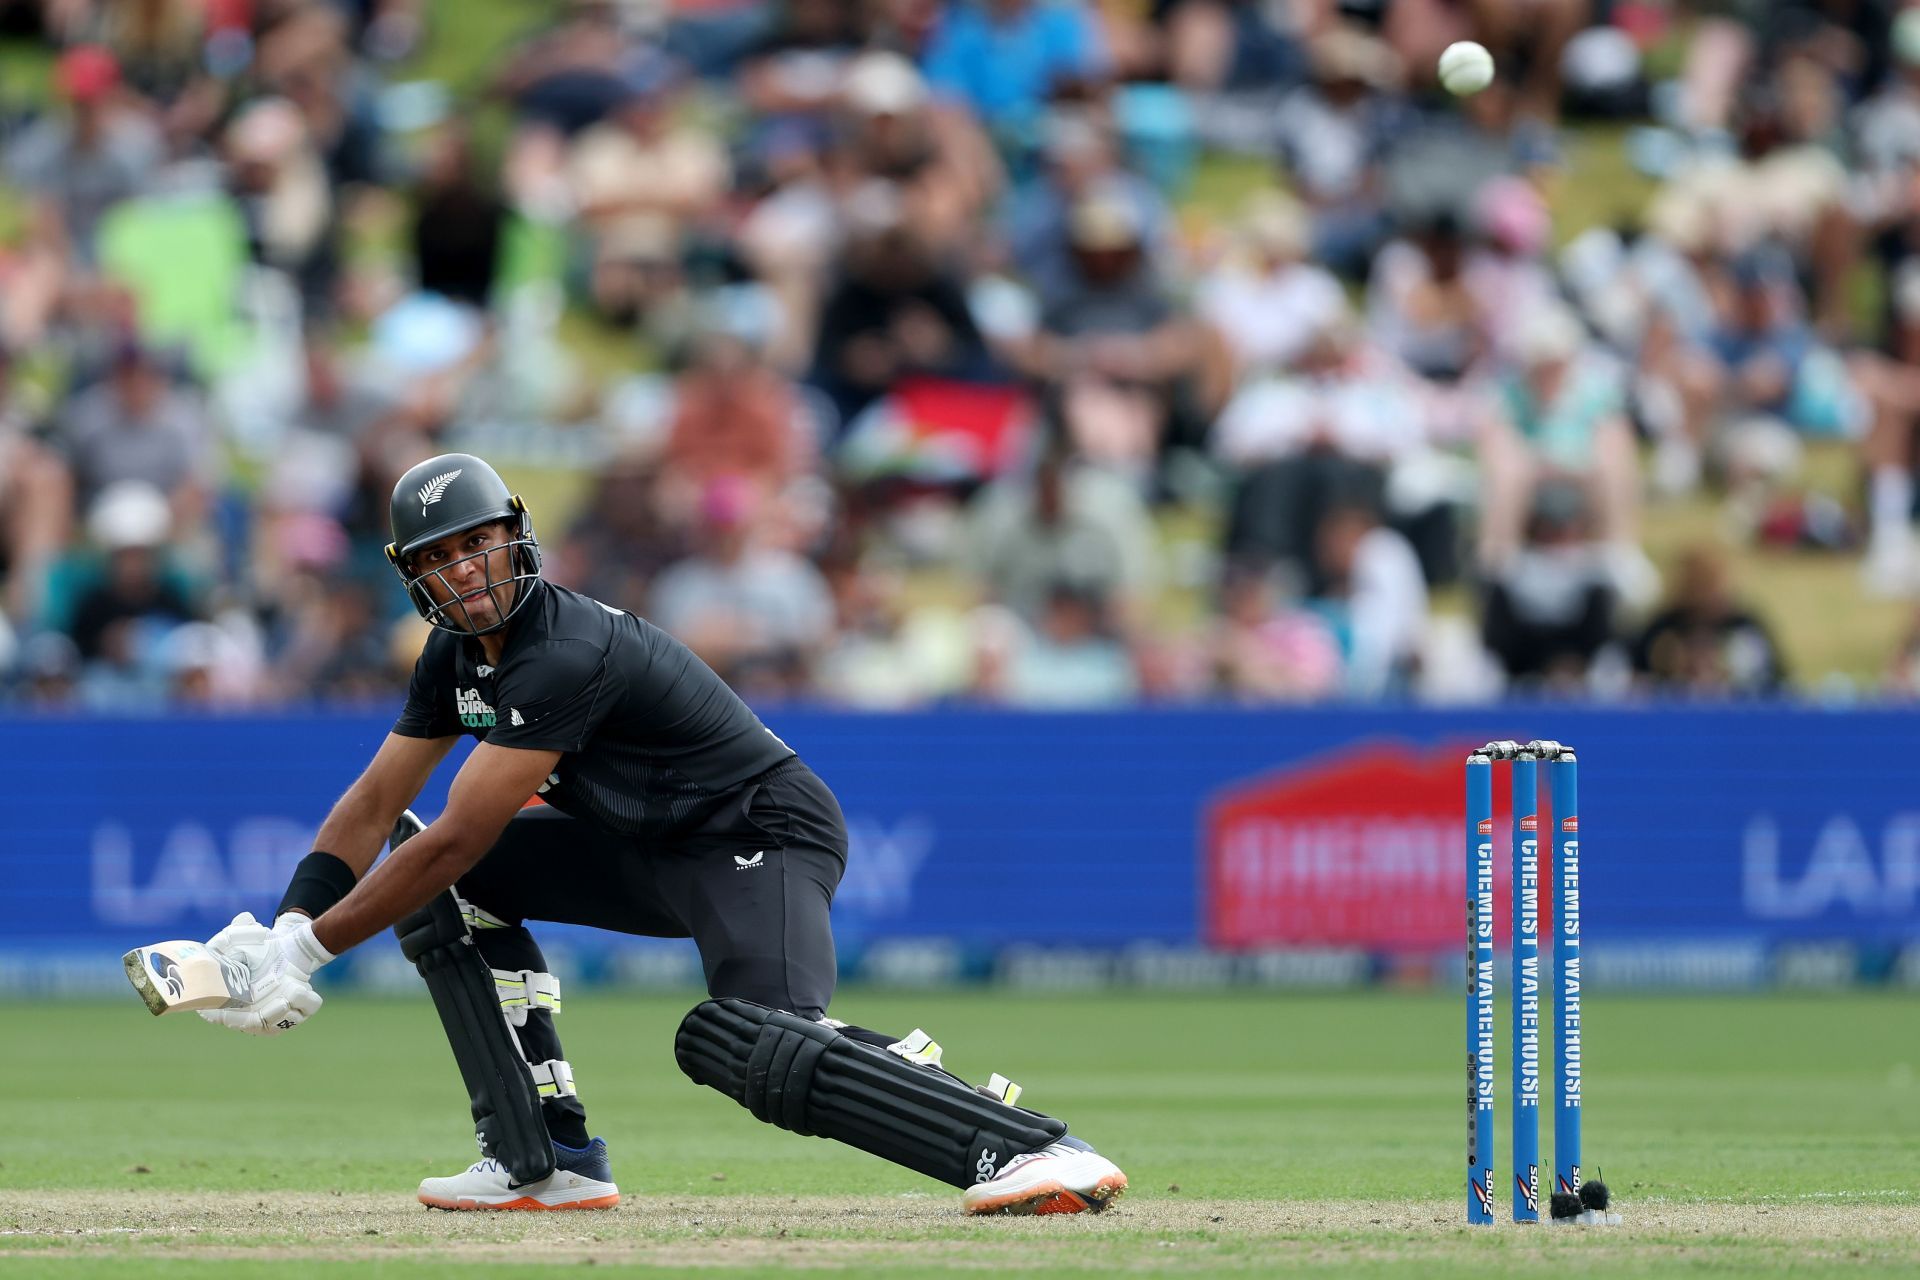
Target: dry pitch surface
{"x": 1163, "y": 1232}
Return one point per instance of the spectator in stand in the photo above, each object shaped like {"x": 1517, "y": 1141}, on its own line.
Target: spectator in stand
{"x": 458, "y": 220}
{"x": 1890, "y": 381}
{"x": 1334, "y": 133}
{"x": 1886, "y": 136}
{"x": 136, "y": 425}
{"x": 339, "y": 641}
{"x": 1270, "y": 302}
{"x": 758, "y": 615}
{"x": 1329, "y": 434}
{"x": 1506, "y": 272}
{"x": 119, "y": 619}
{"x": 34, "y": 279}
{"x": 1081, "y": 158}
{"x": 47, "y": 674}
{"x": 884, "y": 656}
{"x": 789, "y": 237}
{"x": 798, "y": 69}
{"x": 1549, "y": 608}
{"x": 1705, "y": 641}
{"x": 83, "y": 160}
{"x": 1560, "y": 419}
{"x": 1073, "y": 657}
{"x": 157, "y": 44}
{"x": 1775, "y": 381}
{"x": 894, "y": 311}
{"x": 561, "y": 83}
{"x": 1124, "y": 355}
{"x": 303, "y": 55}
{"x": 643, "y": 185}
{"x": 1005, "y": 59}
{"x": 281, "y": 186}
{"x": 1419, "y": 305}
{"x": 1651, "y": 302}
{"x": 1216, "y": 49}
{"x": 1264, "y": 647}
{"x": 733, "y": 414}
{"x": 889, "y": 130}
{"x": 1760, "y": 339}
{"x": 36, "y": 505}
{"x": 1378, "y": 598}
{"x": 1068, "y": 522}
{"x": 626, "y": 533}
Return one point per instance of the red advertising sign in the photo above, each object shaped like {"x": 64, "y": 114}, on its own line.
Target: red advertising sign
{"x": 1365, "y": 848}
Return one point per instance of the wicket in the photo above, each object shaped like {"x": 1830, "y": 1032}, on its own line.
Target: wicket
{"x": 1562, "y": 969}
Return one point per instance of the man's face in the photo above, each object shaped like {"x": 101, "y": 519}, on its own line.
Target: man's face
{"x": 474, "y": 567}
{"x": 137, "y": 385}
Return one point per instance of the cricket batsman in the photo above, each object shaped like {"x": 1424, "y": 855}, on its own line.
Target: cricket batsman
{"x": 671, "y": 812}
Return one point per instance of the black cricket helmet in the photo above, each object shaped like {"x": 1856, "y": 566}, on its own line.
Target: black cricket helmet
{"x": 449, "y": 494}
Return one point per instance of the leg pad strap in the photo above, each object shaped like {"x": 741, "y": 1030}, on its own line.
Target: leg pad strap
{"x": 500, "y": 1084}
{"x": 522, "y": 991}
{"x": 809, "y": 1078}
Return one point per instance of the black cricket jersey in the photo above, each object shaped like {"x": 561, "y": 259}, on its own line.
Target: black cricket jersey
{"x": 650, "y": 736}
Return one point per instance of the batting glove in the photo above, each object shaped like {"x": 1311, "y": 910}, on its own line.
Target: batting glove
{"x": 281, "y": 968}
{"x": 242, "y": 933}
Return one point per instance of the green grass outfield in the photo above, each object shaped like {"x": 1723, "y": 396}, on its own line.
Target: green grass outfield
{"x": 1322, "y": 1133}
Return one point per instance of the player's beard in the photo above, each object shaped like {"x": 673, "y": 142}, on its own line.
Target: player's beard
{"x": 490, "y": 601}
{"x": 490, "y": 606}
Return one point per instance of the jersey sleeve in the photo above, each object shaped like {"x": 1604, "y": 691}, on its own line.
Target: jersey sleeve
{"x": 428, "y": 713}
{"x": 552, "y": 698}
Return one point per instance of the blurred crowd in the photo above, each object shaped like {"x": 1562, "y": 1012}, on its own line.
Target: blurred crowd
{"x": 895, "y": 352}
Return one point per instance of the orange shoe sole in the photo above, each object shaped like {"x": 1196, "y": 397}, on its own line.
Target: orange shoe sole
{"x": 1054, "y": 1197}
{"x": 524, "y": 1204}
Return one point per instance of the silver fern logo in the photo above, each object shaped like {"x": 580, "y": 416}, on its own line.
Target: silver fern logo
{"x": 435, "y": 489}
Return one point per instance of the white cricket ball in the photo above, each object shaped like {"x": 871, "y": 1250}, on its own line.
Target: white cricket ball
{"x": 1466, "y": 68}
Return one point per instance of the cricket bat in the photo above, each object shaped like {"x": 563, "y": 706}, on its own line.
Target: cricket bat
{"x": 172, "y": 976}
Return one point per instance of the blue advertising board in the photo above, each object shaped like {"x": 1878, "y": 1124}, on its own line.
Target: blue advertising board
{"x": 1236, "y": 830}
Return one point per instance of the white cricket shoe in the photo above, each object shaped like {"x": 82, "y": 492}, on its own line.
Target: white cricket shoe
{"x": 1066, "y": 1177}
{"x": 580, "y": 1180}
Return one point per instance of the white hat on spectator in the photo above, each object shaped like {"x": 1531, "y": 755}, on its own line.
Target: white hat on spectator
{"x": 129, "y": 513}
{"x": 1276, "y": 223}
{"x": 1346, "y": 54}
{"x": 194, "y": 646}
{"x": 1551, "y": 334}
{"x": 1683, "y": 216}
{"x": 881, "y": 83}
{"x": 266, "y": 132}
{"x": 1104, "y": 219}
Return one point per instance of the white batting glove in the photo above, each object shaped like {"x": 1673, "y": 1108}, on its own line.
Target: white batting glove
{"x": 281, "y": 968}
{"x": 289, "y": 922}
{"x": 243, "y": 932}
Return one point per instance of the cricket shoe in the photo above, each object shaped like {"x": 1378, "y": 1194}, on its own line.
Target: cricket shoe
{"x": 1067, "y": 1176}
{"x": 581, "y": 1179}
